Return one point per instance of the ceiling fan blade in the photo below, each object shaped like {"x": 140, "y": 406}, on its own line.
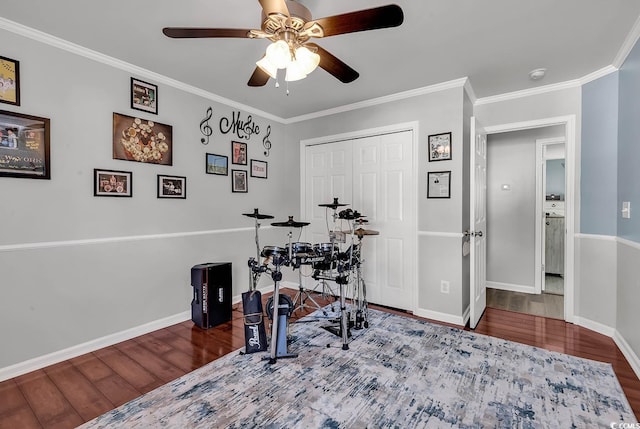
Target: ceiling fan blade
{"x": 362, "y": 20}
{"x": 334, "y": 66}
{"x": 258, "y": 78}
{"x": 190, "y": 32}
{"x": 274, "y": 6}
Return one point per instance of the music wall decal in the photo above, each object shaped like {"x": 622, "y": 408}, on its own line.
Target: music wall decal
{"x": 205, "y": 128}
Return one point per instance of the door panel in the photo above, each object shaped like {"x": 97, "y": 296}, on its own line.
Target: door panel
{"x": 478, "y": 204}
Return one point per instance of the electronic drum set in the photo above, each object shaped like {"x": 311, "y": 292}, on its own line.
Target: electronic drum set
{"x": 338, "y": 260}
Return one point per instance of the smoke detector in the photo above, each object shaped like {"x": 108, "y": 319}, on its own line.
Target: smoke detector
{"x": 537, "y": 74}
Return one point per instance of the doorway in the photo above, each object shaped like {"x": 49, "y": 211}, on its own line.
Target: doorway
{"x": 513, "y": 227}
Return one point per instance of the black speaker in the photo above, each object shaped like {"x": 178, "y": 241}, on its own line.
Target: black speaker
{"x": 211, "y": 304}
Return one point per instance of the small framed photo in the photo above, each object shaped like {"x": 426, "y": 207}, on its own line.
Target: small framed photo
{"x": 24, "y": 146}
{"x": 217, "y": 164}
{"x": 439, "y": 184}
{"x": 239, "y": 181}
{"x": 258, "y": 169}
{"x": 440, "y": 147}
{"x": 172, "y": 186}
{"x": 9, "y": 81}
{"x": 239, "y": 153}
{"x": 112, "y": 183}
{"x": 144, "y": 96}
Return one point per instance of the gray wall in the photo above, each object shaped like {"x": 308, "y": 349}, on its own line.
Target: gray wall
{"x": 599, "y": 181}
{"x": 628, "y": 190}
{"x": 439, "y": 255}
{"x": 77, "y": 267}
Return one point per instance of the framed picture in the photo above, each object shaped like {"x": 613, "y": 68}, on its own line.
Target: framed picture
{"x": 258, "y": 169}
{"x": 440, "y": 147}
{"x": 239, "y": 153}
{"x": 112, "y": 183}
{"x": 239, "y": 181}
{"x": 439, "y": 184}
{"x": 144, "y": 96}
{"x": 172, "y": 186}
{"x": 9, "y": 81}
{"x": 141, "y": 140}
{"x": 217, "y": 164}
{"x": 24, "y": 146}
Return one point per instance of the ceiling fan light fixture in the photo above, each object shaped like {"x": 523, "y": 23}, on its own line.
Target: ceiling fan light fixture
{"x": 295, "y": 71}
{"x": 268, "y": 67}
{"x": 279, "y": 54}
{"x": 308, "y": 60}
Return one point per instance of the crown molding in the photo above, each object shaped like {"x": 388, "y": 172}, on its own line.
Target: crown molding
{"x": 65, "y": 45}
{"x": 627, "y": 46}
{"x": 456, "y": 83}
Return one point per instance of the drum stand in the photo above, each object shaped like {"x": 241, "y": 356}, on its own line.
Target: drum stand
{"x": 278, "y": 326}
{"x": 302, "y": 295}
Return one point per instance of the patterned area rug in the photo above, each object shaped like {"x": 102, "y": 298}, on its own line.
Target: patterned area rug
{"x": 398, "y": 373}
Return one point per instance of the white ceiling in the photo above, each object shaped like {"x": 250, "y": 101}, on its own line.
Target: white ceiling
{"x": 495, "y": 43}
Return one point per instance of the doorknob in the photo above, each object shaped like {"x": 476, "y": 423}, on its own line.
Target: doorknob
{"x": 478, "y": 234}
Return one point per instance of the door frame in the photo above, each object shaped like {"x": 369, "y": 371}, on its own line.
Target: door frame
{"x": 369, "y": 132}
{"x": 541, "y": 169}
{"x": 571, "y": 186}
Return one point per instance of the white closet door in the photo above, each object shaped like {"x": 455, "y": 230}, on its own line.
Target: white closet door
{"x": 328, "y": 176}
{"x": 383, "y": 191}
{"x": 374, "y": 176}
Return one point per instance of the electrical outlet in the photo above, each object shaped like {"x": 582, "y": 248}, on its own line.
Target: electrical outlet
{"x": 444, "y": 286}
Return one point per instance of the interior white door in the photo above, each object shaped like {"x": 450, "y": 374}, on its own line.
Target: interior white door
{"x": 383, "y": 192}
{"x": 373, "y": 175}
{"x": 478, "y": 215}
{"x": 328, "y": 176}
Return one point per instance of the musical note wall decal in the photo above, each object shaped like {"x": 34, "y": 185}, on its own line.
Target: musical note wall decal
{"x": 205, "y": 128}
{"x": 266, "y": 142}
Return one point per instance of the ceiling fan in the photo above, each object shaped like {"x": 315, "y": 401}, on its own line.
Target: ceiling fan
{"x": 289, "y": 25}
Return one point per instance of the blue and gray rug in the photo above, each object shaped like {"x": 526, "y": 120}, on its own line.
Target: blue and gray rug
{"x": 398, "y": 373}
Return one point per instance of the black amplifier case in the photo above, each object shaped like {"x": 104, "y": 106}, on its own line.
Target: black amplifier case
{"x": 211, "y": 304}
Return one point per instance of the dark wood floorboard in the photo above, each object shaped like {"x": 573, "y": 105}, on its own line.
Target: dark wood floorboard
{"x": 75, "y": 391}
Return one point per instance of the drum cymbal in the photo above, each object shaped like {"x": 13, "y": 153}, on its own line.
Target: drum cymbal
{"x": 334, "y": 205}
{"x": 361, "y": 232}
{"x": 257, "y": 215}
{"x": 291, "y": 223}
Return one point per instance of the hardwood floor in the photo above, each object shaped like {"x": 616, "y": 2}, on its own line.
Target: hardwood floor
{"x": 75, "y": 391}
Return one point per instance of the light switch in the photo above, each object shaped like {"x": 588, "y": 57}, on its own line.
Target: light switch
{"x": 506, "y": 187}
{"x": 626, "y": 209}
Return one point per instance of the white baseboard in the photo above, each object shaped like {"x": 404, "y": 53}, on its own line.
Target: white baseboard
{"x": 90, "y": 346}
{"x": 108, "y": 340}
{"x": 628, "y": 352}
{"x": 594, "y": 326}
{"x": 511, "y": 287}
{"x": 442, "y": 317}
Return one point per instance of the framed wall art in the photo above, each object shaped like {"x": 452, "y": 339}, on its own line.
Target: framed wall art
{"x": 141, "y": 140}
{"x": 440, "y": 147}
{"x": 258, "y": 169}
{"x": 144, "y": 96}
{"x": 24, "y": 146}
{"x": 439, "y": 184}
{"x": 239, "y": 181}
{"x": 172, "y": 186}
{"x": 9, "y": 81}
{"x": 217, "y": 164}
{"x": 238, "y": 153}
{"x": 112, "y": 183}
